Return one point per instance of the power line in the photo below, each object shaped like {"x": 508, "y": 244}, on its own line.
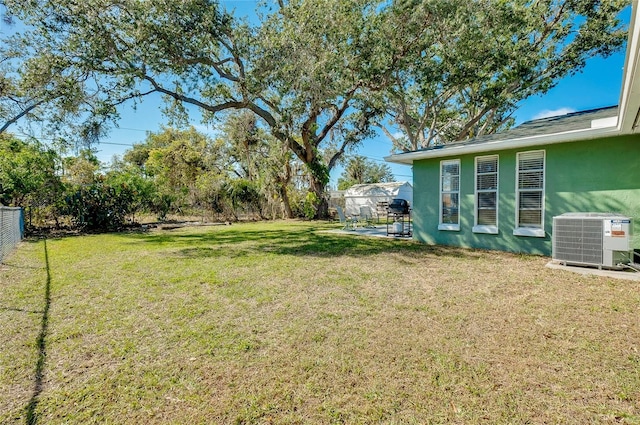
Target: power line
{"x": 115, "y": 144}
{"x": 53, "y": 139}
{"x": 131, "y": 129}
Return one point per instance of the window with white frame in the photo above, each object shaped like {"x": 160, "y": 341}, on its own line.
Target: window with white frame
{"x": 530, "y": 194}
{"x": 449, "y": 195}
{"x": 486, "y": 217}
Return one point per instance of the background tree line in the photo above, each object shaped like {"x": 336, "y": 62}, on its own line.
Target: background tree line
{"x": 242, "y": 173}
{"x": 312, "y": 79}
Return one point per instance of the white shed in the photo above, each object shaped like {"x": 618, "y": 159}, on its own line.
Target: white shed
{"x": 370, "y": 195}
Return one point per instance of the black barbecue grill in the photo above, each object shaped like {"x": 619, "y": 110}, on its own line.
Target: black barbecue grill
{"x": 399, "y": 218}
{"x": 399, "y": 206}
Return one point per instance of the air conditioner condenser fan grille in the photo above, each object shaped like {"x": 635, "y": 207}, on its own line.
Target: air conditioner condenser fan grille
{"x": 578, "y": 240}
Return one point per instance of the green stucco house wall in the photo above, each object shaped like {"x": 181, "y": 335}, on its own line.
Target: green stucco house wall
{"x": 597, "y": 175}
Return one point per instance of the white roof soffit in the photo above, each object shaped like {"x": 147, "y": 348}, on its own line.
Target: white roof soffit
{"x": 495, "y": 145}
{"x": 630, "y": 93}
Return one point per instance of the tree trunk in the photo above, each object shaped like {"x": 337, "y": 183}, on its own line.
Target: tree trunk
{"x": 282, "y": 183}
{"x": 286, "y": 203}
{"x": 318, "y": 187}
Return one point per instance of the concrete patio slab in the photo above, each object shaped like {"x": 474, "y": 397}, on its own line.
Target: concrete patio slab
{"x": 379, "y": 231}
{"x": 615, "y": 274}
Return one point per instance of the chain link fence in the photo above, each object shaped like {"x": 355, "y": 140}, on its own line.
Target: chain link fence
{"x": 11, "y": 229}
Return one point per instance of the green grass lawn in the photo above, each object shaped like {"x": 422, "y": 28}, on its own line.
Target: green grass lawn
{"x": 282, "y": 323}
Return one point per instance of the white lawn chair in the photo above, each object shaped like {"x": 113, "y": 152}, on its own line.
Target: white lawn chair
{"x": 366, "y": 216}
{"x": 348, "y": 223}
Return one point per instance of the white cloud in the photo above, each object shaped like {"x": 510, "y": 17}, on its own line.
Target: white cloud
{"x": 546, "y": 113}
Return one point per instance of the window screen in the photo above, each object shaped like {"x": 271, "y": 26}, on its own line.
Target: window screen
{"x": 530, "y": 189}
{"x": 449, "y": 192}
{"x": 487, "y": 191}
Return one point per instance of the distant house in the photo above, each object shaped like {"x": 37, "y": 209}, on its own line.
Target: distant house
{"x": 502, "y": 191}
{"x": 372, "y": 194}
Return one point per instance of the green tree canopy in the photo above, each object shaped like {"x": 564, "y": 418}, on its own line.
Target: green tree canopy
{"x": 48, "y": 89}
{"x": 469, "y": 63}
{"x": 28, "y": 172}
{"x": 82, "y": 169}
{"x": 360, "y": 170}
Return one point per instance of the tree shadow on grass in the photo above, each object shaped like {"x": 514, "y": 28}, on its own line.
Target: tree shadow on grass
{"x": 31, "y": 416}
{"x": 239, "y": 242}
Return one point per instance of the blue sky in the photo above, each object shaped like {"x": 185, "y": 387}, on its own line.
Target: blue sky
{"x": 598, "y": 85}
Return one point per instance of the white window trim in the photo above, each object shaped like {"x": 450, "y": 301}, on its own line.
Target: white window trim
{"x": 531, "y": 231}
{"x": 483, "y": 228}
{"x": 455, "y": 227}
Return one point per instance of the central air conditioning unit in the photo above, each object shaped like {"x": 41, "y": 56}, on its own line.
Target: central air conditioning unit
{"x": 592, "y": 239}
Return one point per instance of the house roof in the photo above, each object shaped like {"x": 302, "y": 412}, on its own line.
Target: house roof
{"x": 570, "y": 127}
{"x": 583, "y": 125}
{"x": 575, "y": 126}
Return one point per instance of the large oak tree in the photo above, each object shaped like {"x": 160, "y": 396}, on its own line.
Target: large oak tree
{"x": 302, "y": 71}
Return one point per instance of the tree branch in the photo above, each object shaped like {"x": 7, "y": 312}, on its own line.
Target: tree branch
{"x": 338, "y": 114}
{"x": 462, "y": 134}
{"x": 386, "y": 131}
{"x": 186, "y": 99}
{"x": 236, "y": 59}
{"x": 285, "y": 138}
{"x": 217, "y": 65}
{"x": 20, "y": 115}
